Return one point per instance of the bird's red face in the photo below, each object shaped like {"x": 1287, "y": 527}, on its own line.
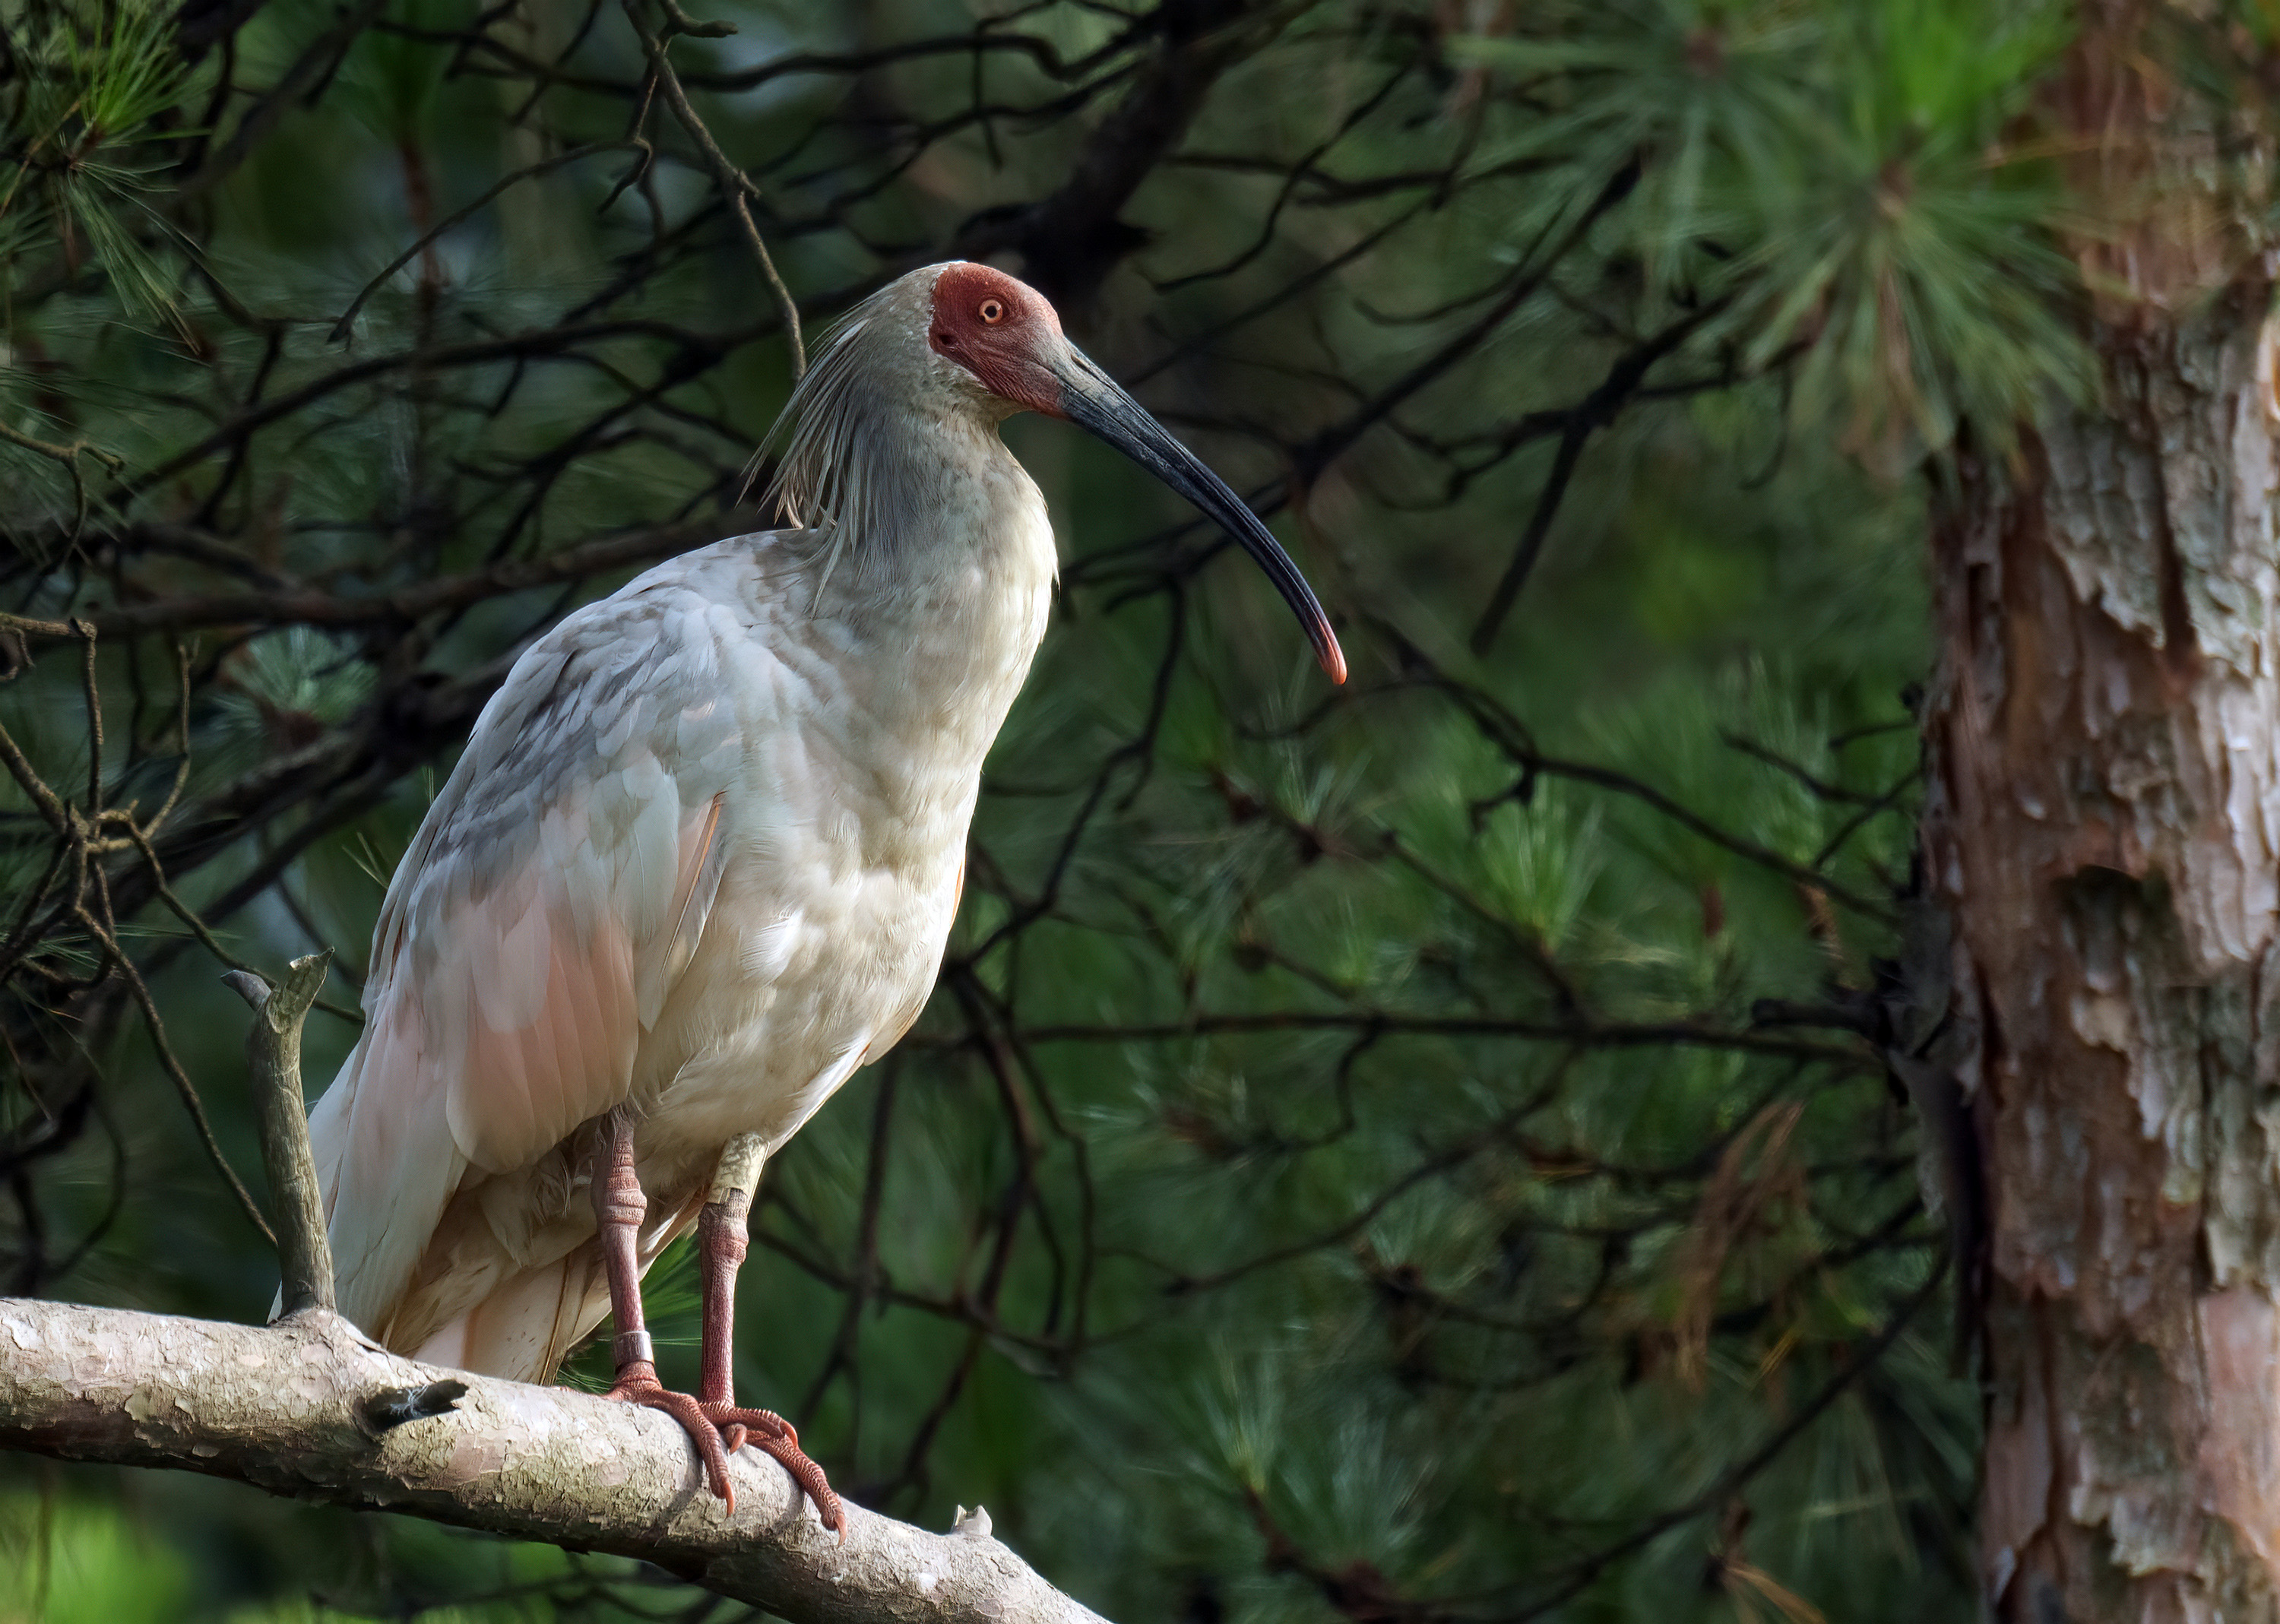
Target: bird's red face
{"x": 1007, "y": 336}
{"x": 1002, "y": 331}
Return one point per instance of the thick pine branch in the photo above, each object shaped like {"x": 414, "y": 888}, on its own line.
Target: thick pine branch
{"x": 305, "y": 1408}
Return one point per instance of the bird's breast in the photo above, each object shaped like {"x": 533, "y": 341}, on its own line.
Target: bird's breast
{"x": 847, "y": 827}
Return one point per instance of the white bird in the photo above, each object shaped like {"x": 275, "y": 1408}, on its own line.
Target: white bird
{"x": 700, "y": 858}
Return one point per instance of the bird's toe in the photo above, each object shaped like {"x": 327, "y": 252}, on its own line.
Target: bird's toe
{"x": 719, "y": 1430}
{"x": 774, "y": 1436}
{"x": 635, "y": 1386}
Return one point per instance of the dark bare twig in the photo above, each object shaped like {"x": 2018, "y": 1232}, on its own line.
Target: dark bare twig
{"x": 460, "y": 217}
{"x": 1593, "y": 413}
{"x": 736, "y": 188}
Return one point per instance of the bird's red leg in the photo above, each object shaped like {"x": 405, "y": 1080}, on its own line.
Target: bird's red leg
{"x": 618, "y": 1207}
{"x": 723, "y": 1240}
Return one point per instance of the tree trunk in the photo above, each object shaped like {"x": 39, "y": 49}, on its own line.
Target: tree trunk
{"x": 2105, "y": 749}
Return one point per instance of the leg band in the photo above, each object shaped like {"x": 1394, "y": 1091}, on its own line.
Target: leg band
{"x": 739, "y": 1167}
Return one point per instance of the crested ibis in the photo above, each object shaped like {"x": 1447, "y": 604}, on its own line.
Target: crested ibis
{"x": 700, "y": 858}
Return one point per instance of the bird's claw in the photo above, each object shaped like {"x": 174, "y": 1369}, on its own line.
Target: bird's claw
{"x": 772, "y": 1435}
{"x": 719, "y": 1429}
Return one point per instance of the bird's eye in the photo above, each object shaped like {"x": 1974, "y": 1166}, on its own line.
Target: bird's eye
{"x": 992, "y": 311}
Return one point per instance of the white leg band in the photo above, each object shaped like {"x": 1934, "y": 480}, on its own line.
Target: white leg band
{"x": 739, "y": 1167}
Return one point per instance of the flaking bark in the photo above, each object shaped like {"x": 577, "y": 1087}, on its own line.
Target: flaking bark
{"x": 303, "y": 1408}
{"x": 2105, "y": 826}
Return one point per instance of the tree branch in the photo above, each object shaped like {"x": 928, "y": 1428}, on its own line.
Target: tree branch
{"x": 1071, "y": 239}
{"x": 273, "y": 1059}
{"x": 307, "y": 1407}
{"x": 736, "y": 188}
{"x": 309, "y": 606}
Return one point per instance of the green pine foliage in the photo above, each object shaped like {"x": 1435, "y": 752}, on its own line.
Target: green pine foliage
{"x": 1857, "y": 185}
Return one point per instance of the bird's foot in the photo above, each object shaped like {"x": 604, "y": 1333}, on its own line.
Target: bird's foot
{"x": 719, "y": 1429}
{"x": 770, "y": 1433}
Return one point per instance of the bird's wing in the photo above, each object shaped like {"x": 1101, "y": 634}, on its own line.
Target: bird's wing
{"x": 557, "y": 888}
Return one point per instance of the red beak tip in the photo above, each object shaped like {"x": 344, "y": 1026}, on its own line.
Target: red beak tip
{"x": 1334, "y": 661}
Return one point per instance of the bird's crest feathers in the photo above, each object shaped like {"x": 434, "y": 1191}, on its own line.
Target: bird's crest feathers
{"x": 839, "y": 468}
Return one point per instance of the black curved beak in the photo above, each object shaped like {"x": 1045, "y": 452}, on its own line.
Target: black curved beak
{"x": 1092, "y": 401}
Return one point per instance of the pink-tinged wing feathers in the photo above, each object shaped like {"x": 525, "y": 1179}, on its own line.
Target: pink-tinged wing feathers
{"x": 558, "y": 886}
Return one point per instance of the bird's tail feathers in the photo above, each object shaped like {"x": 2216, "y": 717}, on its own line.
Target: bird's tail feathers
{"x": 524, "y": 1328}
{"x": 527, "y": 1316}
{"x": 385, "y": 1163}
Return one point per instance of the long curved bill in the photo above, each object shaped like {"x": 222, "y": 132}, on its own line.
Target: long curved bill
{"x": 1092, "y": 401}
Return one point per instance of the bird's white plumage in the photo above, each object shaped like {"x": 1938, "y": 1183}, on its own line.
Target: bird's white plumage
{"x": 700, "y": 858}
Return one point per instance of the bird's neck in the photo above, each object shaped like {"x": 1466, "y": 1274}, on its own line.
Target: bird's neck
{"x": 938, "y": 532}
{"x": 932, "y": 599}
